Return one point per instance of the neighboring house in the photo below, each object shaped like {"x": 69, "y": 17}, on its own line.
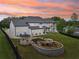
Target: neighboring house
{"x": 76, "y": 31}
{"x": 32, "y": 27}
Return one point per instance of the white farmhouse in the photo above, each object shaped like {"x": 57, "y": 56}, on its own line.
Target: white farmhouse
{"x": 31, "y": 26}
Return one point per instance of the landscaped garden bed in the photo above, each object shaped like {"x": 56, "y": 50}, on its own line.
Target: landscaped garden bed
{"x": 48, "y": 47}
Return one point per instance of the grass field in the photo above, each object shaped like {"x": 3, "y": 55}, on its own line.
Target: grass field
{"x": 5, "y": 49}
{"x": 71, "y": 47}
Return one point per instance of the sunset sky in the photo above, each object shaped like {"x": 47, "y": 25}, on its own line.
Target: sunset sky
{"x": 43, "y": 8}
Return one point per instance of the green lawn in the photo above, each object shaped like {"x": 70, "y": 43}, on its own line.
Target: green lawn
{"x": 71, "y": 46}
{"x": 5, "y": 49}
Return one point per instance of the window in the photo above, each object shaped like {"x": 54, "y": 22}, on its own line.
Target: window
{"x": 20, "y": 34}
{"x": 40, "y": 23}
{"x": 39, "y": 33}
{"x": 25, "y": 33}
{"x": 26, "y": 22}
{"x": 17, "y": 35}
{"x": 36, "y": 34}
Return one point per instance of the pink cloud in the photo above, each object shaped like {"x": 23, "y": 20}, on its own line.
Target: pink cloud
{"x": 27, "y": 8}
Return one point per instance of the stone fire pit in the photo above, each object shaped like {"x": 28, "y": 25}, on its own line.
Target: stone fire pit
{"x": 48, "y": 47}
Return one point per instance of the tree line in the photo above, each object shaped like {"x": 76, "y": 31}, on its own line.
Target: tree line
{"x": 61, "y": 23}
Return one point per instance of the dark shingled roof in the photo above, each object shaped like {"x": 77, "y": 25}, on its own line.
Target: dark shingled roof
{"x": 20, "y": 23}
{"x": 25, "y": 21}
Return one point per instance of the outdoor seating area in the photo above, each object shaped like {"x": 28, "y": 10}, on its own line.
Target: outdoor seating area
{"x": 48, "y": 47}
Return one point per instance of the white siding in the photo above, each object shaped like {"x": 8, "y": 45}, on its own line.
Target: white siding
{"x": 22, "y": 30}
{"x": 45, "y": 24}
{"x": 53, "y": 28}
{"x": 12, "y": 29}
{"x": 37, "y": 32}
